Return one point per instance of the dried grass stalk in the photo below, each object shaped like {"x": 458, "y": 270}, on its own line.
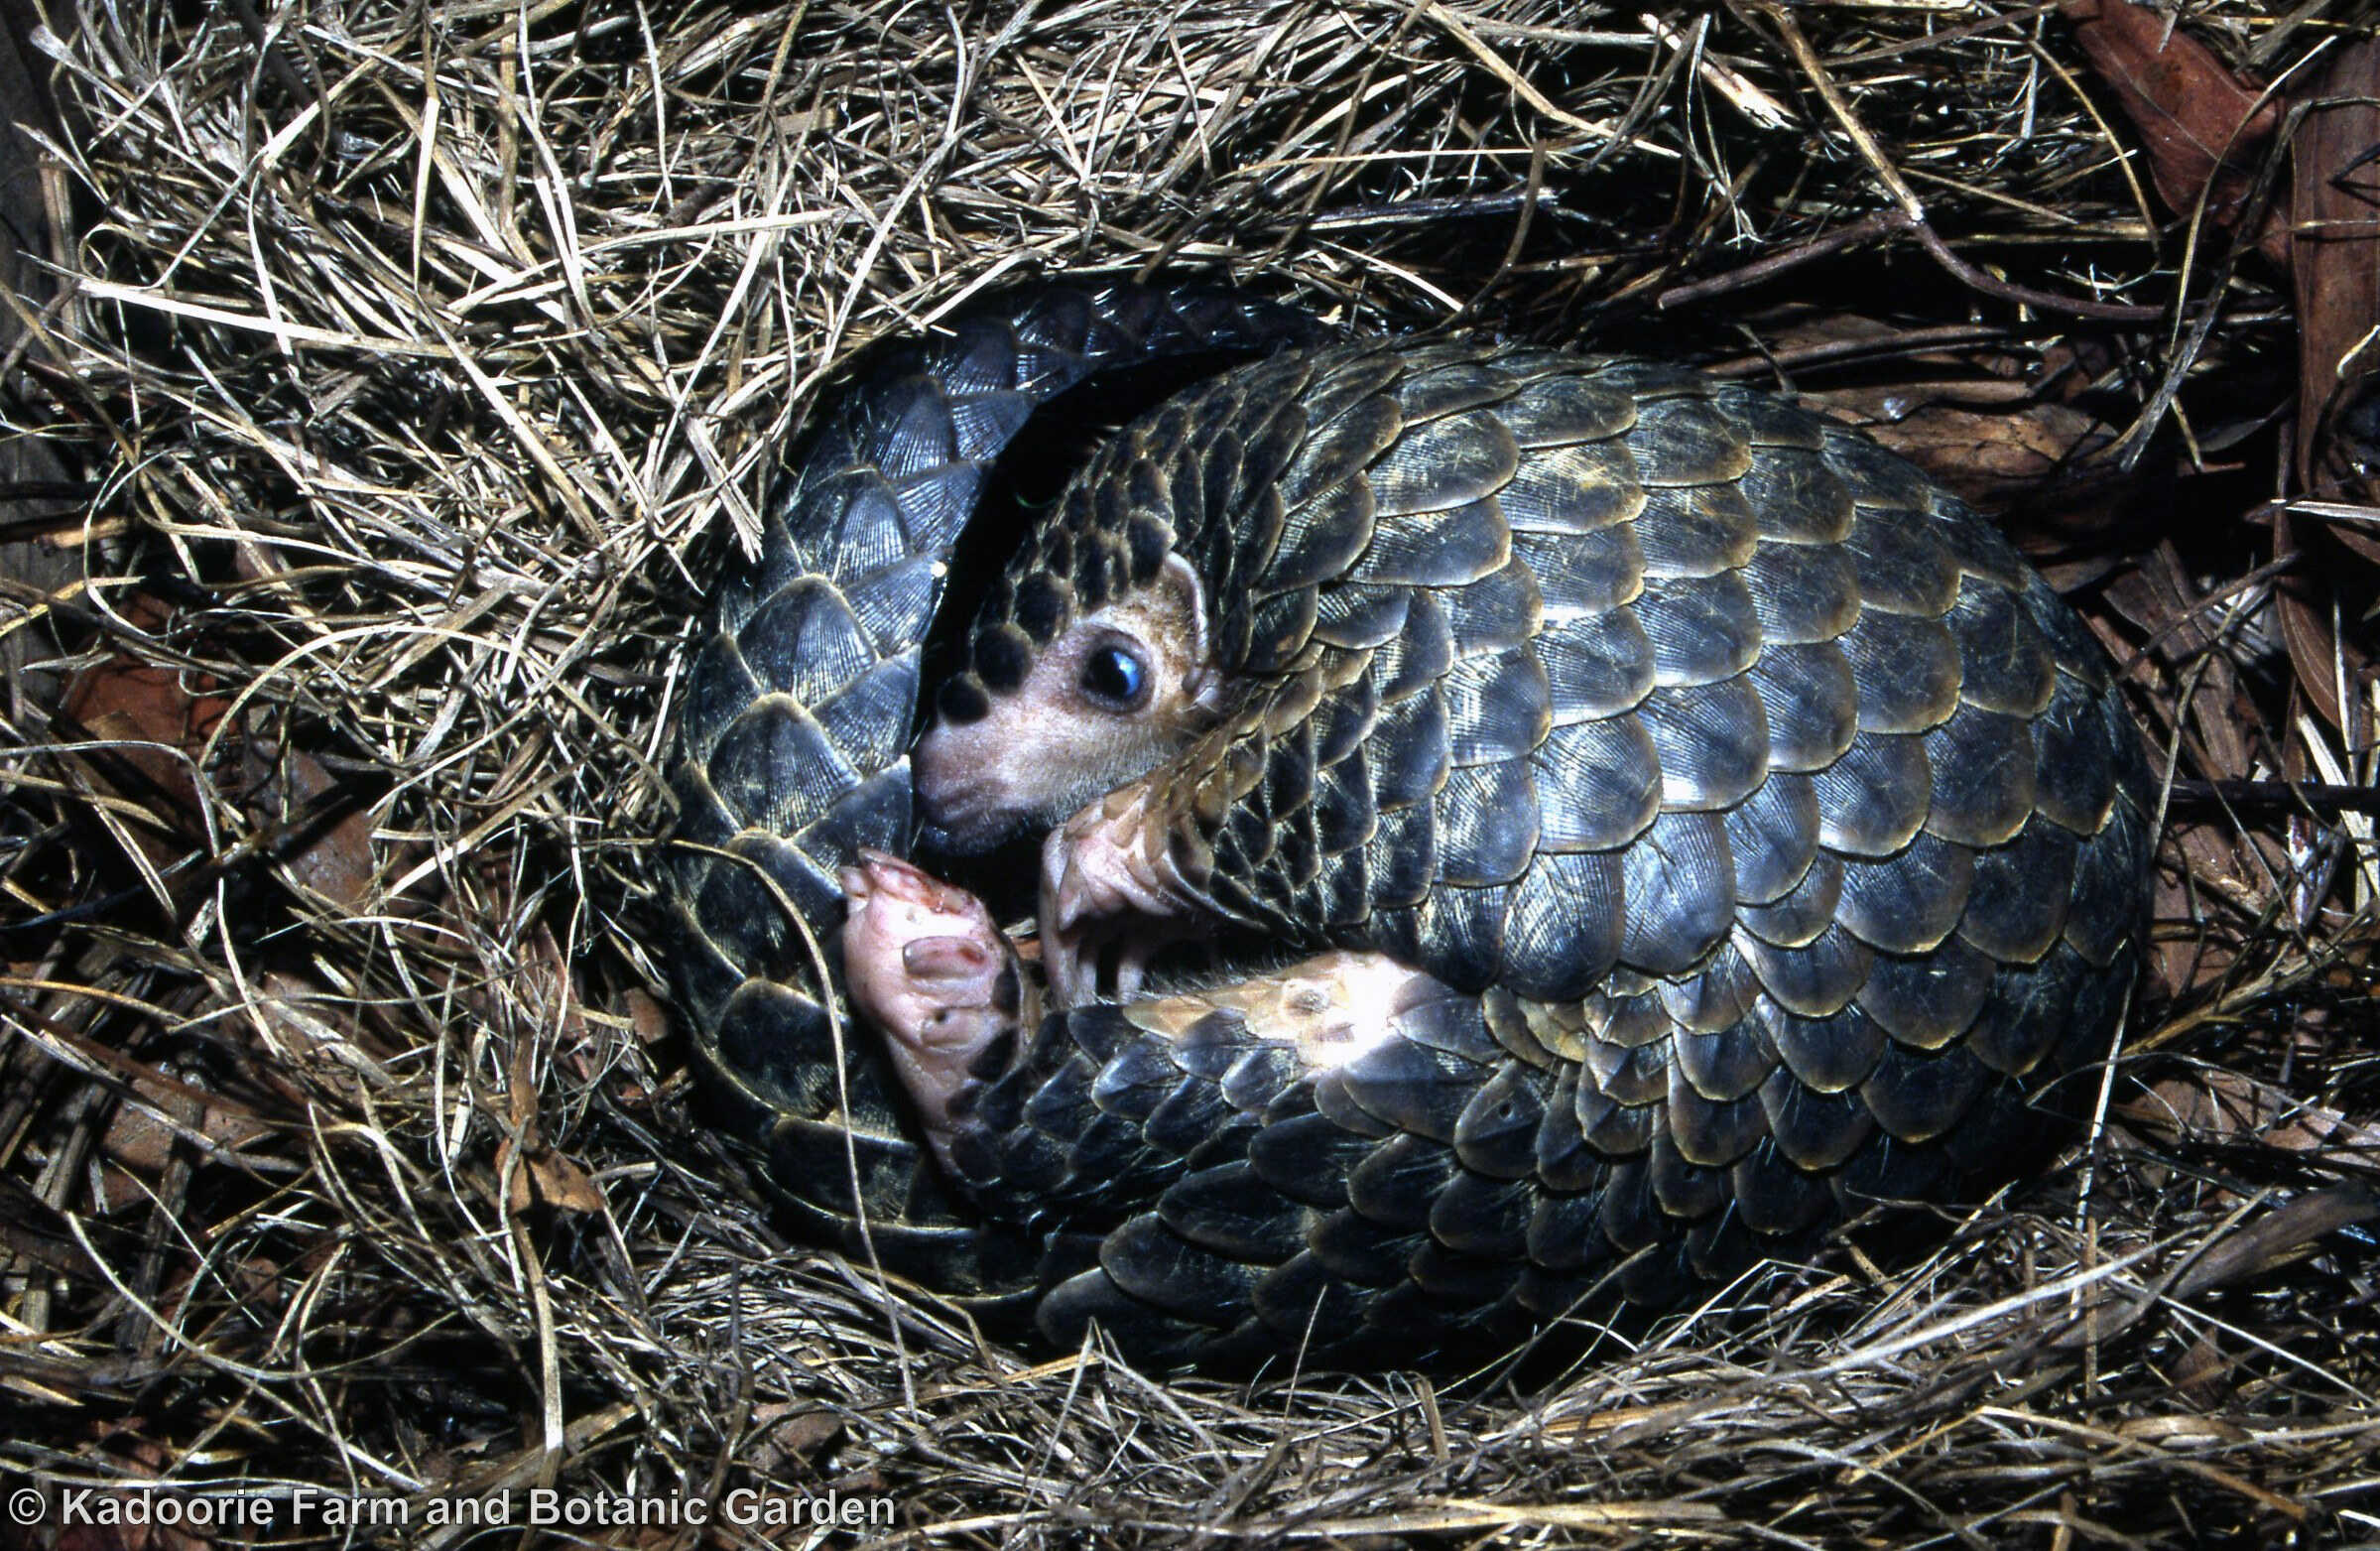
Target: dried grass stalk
{"x": 417, "y": 363}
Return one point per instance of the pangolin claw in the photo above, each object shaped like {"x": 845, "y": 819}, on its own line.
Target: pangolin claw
{"x": 1106, "y": 898}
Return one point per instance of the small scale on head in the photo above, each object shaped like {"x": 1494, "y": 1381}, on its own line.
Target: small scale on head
{"x": 1059, "y": 707}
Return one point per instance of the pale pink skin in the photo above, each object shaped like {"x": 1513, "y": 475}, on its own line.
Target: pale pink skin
{"x": 925, "y": 962}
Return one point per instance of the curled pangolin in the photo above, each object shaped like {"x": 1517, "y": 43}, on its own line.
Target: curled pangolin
{"x": 1689, "y": 821}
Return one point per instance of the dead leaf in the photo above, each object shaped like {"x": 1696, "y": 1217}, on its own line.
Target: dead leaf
{"x": 160, "y": 720}
{"x": 2220, "y": 1105}
{"x": 2200, "y": 125}
{"x": 303, "y": 1032}
{"x": 217, "y": 1118}
{"x": 2334, "y": 261}
{"x": 285, "y": 790}
{"x": 787, "y": 1435}
{"x": 646, "y": 1017}
{"x": 152, "y": 721}
{"x": 1990, "y": 456}
{"x": 2335, "y": 229}
{"x": 138, "y": 1140}
{"x": 563, "y": 1184}
{"x": 2302, "y": 604}
{"x": 547, "y": 1174}
{"x": 2201, "y": 1375}
{"x": 524, "y": 1141}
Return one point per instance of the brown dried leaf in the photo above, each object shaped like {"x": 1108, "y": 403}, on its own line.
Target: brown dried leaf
{"x": 146, "y": 1138}
{"x": 2216, "y": 1104}
{"x": 2302, "y": 605}
{"x": 31, "y": 1227}
{"x": 545, "y": 1174}
{"x": 786, "y": 1435}
{"x": 561, "y": 1184}
{"x": 138, "y": 1140}
{"x": 138, "y": 1531}
{"x": 1990, "y": 456}
{"x": 149, "y": 715}
{"x": 2199, "y": 124}
{"x": 153, "y": 717}
{"x": 300, "y": 1033}
{"x": 2202, "y": 1375}
{"x": 285, "y": 787}
{"x": 2185, "y": 649}
{"x": 525, "y": 1141}
{"x": 2365, "y": 546}
{"x": 127, "y": 1537}
{"x": 2336, "y": 263}
{"x": 646, "y": 1017}
{"x": 2335, "y": 260}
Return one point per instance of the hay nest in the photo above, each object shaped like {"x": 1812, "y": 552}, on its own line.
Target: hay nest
{"x": 404, "y": 368}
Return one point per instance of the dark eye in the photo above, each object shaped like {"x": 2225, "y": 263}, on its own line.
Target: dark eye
{"x": 1115, "y": 678}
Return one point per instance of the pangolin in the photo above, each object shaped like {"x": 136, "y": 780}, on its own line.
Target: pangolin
{"x": 1687, "y": 822}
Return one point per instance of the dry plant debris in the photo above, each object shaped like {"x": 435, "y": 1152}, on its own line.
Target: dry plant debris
{"x": 406, "y": 367}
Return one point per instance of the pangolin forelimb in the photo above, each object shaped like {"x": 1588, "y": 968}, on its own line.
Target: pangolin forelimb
{"x": 1110, "y": 898}
{"x": 931, "y": 969}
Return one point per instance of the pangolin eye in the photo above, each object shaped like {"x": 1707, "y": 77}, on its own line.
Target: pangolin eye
{"x": 1115, "y": 678}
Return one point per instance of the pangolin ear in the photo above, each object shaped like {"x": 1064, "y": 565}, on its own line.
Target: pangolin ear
{"x": 1203, "y": 679}
{"x": 1185, "y": 600}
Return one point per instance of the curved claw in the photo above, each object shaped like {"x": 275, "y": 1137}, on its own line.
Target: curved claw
{"x": 1106, "y": 887}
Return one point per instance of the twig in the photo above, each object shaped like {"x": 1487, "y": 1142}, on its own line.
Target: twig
{"x": 1908, "y": 214}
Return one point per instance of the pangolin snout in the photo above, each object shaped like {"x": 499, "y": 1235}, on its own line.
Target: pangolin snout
{"x": 961, "y": 800}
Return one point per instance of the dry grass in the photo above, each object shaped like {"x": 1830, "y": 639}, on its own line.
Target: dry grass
{"x": 422, "y": 359}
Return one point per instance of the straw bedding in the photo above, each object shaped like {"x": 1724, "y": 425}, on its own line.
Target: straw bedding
{"x": 406, "y": 369}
